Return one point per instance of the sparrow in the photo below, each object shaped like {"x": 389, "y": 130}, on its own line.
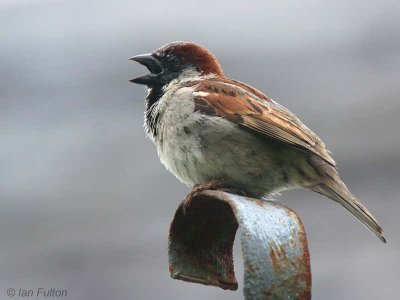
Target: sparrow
{"x": 213, "y": 132}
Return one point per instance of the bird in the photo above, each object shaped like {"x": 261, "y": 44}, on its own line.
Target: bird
{"x": 213, "y": 132}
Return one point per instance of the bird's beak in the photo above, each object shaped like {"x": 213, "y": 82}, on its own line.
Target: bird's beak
{"x": 152, "y": 64}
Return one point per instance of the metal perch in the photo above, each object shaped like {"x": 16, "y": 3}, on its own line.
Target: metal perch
{"x": 274, "y": 245}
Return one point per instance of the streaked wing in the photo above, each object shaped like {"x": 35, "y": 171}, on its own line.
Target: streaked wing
{"x": 250, "y": 108}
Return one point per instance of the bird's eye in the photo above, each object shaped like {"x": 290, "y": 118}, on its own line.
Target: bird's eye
{"x": 173, "y": 63}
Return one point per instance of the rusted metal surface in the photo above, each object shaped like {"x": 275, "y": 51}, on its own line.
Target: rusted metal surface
{"x": 200, "y": 243}
{"x": 275, "y": 252}
{"x": 274, "y": 245}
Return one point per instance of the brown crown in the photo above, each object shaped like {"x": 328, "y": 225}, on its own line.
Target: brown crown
{"x": 192, "y": 53}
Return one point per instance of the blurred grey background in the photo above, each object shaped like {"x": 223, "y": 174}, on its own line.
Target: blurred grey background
{"x": 85, "y": 202}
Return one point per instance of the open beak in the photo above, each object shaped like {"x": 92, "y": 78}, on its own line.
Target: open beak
{"x": 152, "y": 64}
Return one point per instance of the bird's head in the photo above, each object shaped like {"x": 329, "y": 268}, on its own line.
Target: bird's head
{"x": 175, "y": 60}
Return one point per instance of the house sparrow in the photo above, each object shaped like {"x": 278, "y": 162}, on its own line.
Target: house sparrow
{"x": 213, "y": 132}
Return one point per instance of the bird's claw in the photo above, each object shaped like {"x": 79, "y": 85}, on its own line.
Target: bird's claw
{"x": 197, "y": 189}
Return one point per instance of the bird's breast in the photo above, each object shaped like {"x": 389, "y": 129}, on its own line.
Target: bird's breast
{"x": 198, "y": 148}
{"x": 182, "y": 145}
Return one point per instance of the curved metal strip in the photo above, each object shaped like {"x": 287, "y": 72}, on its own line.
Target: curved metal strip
{"x": 274, "y": 245}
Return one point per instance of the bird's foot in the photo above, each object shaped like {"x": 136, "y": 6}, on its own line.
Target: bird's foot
{"x": 198, "y": 188}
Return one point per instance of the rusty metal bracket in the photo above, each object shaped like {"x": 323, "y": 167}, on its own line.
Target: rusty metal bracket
{"x": 274, "y": 245}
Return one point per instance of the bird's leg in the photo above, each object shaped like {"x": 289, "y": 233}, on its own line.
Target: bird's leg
{"x": 198, "y": 188}
{"x": 216, "y": 184}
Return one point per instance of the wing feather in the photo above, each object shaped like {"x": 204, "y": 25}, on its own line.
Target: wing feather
{"x": 251, "y": 109}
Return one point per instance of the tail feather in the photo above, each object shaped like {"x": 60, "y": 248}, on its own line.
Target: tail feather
{"x": 337, "y": 191}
